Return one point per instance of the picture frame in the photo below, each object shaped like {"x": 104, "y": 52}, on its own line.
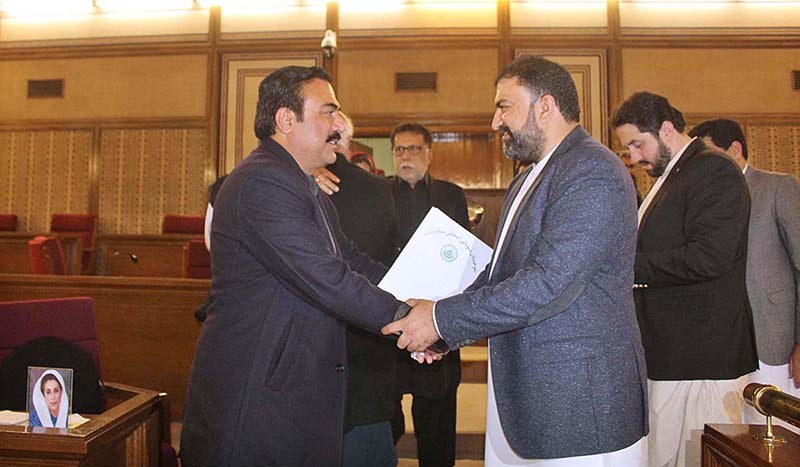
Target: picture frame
{"x": 49, "y": 396}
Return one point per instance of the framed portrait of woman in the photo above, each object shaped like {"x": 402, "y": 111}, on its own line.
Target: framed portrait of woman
{"x": 49, "y": 396}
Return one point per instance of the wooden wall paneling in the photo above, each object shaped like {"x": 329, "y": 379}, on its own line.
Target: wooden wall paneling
{"x": 44, "y": 172}
{"x": 241, "y": 75}
{"x": 148, "y": 172}
{"x": 760, "y": 84}
{"x": 774, "y": 147}
{"x": 465, "y": 81}
{"x": 589, "y": 69}
{"x": 100, "y": 88}
{"x": 504, "y": 54}
{"x": 464, "y": 159}
{"x": 615, "y": 70}
{"x": 213, "y": 167}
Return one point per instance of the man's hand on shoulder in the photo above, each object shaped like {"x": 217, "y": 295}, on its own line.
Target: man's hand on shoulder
{"x": 326, "y": 180}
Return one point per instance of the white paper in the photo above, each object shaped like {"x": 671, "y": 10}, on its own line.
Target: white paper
{"x": 440, "y": 260}
{"x": 76, "y": 420}
{"x": 8, "y": 417}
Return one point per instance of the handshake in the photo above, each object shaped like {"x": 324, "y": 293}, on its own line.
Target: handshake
{"x": 416, "y": 331}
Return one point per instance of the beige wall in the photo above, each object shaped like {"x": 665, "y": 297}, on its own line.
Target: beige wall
{"x": 709, "y": 81}
{"x": 107, "y": 87}
{"x": 465, "y": 81}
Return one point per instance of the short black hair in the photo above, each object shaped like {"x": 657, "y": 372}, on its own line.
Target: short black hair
{"x": 283, "y": 88}
{"x": 541, "y": 76}
{"x": 647, "y": 111}
{"x": 415, "y": 128}
{"x": 723, "y": 132}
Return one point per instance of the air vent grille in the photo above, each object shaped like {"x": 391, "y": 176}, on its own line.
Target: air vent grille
{"x": 45, "y": 88}
{"x": 796, "y": 80}
{"x": 415, "y": 82}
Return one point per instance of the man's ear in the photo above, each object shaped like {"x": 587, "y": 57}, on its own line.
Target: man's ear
{"x": 735, "y": 150}
{"x": 285, "y": 120}
{"x": 547, "y": 108}
{"x": 667, "y": 130}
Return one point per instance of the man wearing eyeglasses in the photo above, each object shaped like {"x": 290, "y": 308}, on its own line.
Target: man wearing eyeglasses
{"x": 432, "y": 386}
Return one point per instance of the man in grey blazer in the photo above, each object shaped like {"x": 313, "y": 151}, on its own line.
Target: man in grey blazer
{"x": 567, "y": 372}
{"x": 773, "y": 261}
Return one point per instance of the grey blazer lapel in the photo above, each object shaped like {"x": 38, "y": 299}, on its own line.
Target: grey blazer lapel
{"x": 575, "y": 135}
{"x": 513, "y": 188}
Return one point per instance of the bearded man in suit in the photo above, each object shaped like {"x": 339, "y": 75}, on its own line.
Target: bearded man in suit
{"x": 691, "y": 298}
{"x": 773, "y": 262}
{"x": 567, "y": 376}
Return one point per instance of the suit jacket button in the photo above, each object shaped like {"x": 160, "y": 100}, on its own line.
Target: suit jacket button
{"x": 339, "y": 367}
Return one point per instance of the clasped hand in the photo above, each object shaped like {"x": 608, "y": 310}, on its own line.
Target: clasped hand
{"x": 417, "y": 331}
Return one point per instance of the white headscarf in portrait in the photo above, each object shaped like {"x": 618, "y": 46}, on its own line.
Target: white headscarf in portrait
{"x": 41, "y": 405}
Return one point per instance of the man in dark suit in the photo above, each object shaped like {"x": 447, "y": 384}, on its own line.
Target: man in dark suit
{"x": 433, "y": 387}
{"x": 567, "y": 373}
{"x": 268, "y": 383}
{"x": 367, "y": 217}
{"x": 691, "y": 298}
{"x": 773, "y": 262}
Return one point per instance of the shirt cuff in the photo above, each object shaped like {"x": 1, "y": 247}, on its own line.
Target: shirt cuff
{"x": 434, "y": 321}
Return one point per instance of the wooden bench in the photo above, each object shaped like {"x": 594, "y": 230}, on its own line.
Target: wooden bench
{"x": 15, "y": 256}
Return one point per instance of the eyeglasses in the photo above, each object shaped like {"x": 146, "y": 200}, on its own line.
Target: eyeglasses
{"x": 412, "y": 150}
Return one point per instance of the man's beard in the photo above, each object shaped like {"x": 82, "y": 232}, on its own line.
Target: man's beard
{"x": 661, "y": 162}
{"x": 527, "y": 145}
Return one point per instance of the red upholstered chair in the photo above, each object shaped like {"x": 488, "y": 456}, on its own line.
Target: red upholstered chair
{"x": 177, "y": 224}
{"x": 8, "y": 222}
{"x": 197, "y": 261}
{"x": 83, "y": 224}
{"x": 47, "y": 257}
{"x": 70, "y": 319}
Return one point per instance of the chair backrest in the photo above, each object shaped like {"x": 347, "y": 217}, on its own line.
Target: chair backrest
{"x": 8, "y": 222}
{"x": 197, "y": 261}
{"x": 50, "y": 352}
{"x": 70, "y": 319}
{"x": 84, "y": 224}
{"x": 46, "y": 255}
{"x": 177, "y": 224}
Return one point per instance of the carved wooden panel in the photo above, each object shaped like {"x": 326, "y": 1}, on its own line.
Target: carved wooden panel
{"x": 146, "y": 173}
{"x": 774, "y": 147}
{"x": 43, "y": 172}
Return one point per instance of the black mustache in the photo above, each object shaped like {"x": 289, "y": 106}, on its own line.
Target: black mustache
{"x": 505, "y": 130}
{"x": 334, "y": 137}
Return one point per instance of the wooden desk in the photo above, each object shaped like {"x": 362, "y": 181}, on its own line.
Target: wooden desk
{"x": 141, "y": 255}
{"x": 736, "y": 446}
{"x": 127, "y": 434}
{"x": 15, "y": 256}
{"x": 146, "y": 327}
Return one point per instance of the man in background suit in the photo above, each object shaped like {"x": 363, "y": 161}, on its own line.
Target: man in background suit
{"x": 433, "y": 387}
{"x": 367, "y": 216}
{"x": 691, "y": 298}
{"x": 268, "y": 383}
{"x": 566, "y": 375}
{"x": 773, "y": 261}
